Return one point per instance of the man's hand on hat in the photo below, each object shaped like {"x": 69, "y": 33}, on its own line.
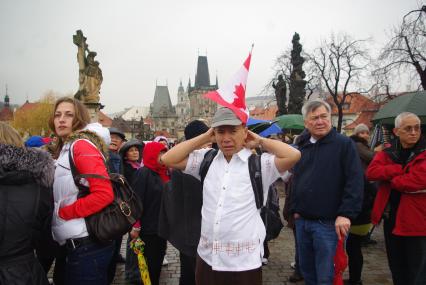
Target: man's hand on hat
{"x": 253, "y": 140}
{"x": 210, "y": 138}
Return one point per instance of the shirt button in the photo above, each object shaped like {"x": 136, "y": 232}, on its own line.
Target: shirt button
{"x": 223, "y": 188}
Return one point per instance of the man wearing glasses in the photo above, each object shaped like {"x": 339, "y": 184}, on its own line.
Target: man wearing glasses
{"x": 401, "y": 200}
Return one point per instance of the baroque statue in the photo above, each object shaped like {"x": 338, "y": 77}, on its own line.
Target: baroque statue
{"x": 90, "y": 75}
{"x": 280, "y": 95}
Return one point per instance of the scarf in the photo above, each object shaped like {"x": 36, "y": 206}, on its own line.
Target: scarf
{"x": 150, "y": 159}
{"x": 134, "y": 164}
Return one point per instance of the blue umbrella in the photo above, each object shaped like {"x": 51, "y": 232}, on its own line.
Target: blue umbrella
{"x": 263, "y": 128}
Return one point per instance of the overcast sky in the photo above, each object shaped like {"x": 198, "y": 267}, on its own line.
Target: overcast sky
{"x": 139, "y": 42}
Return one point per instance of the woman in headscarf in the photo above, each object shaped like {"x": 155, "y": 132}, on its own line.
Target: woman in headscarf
{"x": 148, "y": 183}
{"x": 87, "y": 259}
{"x": 26, "y": 203}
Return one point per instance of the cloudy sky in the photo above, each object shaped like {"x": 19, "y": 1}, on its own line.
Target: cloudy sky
{"x": 140, "y": 42}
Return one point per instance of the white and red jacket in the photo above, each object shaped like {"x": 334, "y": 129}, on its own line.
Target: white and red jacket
{"x": 69, "y": 213}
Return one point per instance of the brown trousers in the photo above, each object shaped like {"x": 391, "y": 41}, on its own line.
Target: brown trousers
{"x": 205, "y": 275}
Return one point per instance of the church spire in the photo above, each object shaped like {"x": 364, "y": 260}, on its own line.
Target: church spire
{"x": 202, "y": 77}
{"x": 6, "y": 99}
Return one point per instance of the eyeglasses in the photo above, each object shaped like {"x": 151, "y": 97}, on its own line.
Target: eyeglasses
{"x": 410, "y": 129}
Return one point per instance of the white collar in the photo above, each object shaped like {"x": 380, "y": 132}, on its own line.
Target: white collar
{"x": 243, "y": 154}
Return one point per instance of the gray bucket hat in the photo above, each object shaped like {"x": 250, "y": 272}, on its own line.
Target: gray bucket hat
{"x": 225, "y": 117}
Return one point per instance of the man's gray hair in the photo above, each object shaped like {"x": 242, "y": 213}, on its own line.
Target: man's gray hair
{"x": 312, "y": 105}
{"x": 402, "y": 116}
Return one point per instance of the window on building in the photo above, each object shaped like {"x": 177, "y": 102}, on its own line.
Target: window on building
{"x": 346, "y": 106}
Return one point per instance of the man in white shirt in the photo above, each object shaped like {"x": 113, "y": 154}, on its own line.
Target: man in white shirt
{"x": 232, "y": 232}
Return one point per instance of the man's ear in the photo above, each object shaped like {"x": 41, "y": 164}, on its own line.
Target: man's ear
{"x": 395, "y": 131}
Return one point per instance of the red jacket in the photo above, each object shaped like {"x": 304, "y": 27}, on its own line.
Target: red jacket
{"x": 410, "y": 180}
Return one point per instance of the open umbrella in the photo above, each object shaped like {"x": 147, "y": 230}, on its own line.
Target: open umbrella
{"x": 290, "y": 122}
{"x": 263, "y": 128}
{"x": 414, "y": 102}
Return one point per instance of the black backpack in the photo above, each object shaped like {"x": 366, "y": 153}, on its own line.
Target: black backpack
{"x": 117, "y": 218}
{"x": 270, "y": 211}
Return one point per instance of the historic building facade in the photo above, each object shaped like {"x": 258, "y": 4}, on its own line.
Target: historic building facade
{"x": 6, "y": 113}
{"x": 182, "y": 107}
{"x": 191, "y": 105}
{"x": 200, "y": 107}
{"x": 162, "y": 112}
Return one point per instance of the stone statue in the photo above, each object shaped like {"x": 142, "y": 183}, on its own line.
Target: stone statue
{"x": 90, "y": 75}
{"x": 281, "y": 95}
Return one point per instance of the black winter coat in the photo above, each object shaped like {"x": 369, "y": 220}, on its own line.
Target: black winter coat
{"x": 180, "y": 214}
{"x": 26, "y": 204}
{"x": 149, "y": 187}
{"x": 370, "y": 188}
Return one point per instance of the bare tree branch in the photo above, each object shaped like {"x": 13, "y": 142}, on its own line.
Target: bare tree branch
{"x": 405, "y": 52}
{"x": 340, "y": 62}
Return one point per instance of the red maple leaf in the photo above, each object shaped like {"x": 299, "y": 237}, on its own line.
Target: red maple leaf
{"x": 239, "y": 102}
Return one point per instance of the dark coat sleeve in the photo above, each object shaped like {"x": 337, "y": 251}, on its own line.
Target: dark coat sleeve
{"x": 139, "y": 185}
{"x": 353, "y": 188}
{"x": 43, "y": 239}
{"x": 365, "y": 153}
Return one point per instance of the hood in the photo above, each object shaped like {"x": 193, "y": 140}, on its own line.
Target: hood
{"x": 102, "y": 132}
{"x": 95, "y": 133}
{"x": 150, "y": 155}
{"x": 17, "y": 165}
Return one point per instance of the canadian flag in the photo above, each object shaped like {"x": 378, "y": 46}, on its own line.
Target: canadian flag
{"x": 233, "y": 94}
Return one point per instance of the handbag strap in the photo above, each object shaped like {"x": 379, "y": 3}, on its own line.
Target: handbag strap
{"x": 77, "y": 175}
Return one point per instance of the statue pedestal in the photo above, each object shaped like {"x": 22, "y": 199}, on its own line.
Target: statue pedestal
{"x": 93, "y": 109}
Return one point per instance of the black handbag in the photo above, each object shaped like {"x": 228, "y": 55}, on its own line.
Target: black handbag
{"x": 116, "y": 219}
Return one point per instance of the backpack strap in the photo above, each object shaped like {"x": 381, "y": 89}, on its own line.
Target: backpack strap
{"x": 205, "y": 164}
{"x": 254, "y": 165}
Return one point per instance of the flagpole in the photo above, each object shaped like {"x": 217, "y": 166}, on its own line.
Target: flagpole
{"x": 252, "y": 46}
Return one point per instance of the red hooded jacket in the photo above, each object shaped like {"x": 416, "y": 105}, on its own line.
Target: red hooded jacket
{"x": 410, "y": 180}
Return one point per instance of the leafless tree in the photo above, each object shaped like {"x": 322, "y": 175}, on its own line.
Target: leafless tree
{"x": 340, "y": 63}
{"x": 405, "y": 52}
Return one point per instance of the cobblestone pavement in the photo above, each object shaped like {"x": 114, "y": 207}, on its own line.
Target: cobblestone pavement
{"x": 375, "y": 272}
{"x": 278, "y": 270}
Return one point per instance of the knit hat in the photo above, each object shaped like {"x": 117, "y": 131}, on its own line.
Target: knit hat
{"x": 34, "y": 141}
{"x": 194, "y": 129}
{"x": 361, "y": 128}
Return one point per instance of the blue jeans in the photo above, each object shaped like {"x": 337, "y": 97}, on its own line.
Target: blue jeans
{"x": 317, "y": 242}
{"x": 88, "y": 264}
